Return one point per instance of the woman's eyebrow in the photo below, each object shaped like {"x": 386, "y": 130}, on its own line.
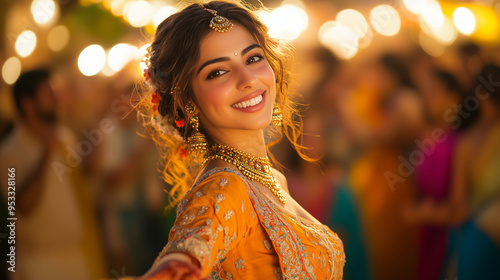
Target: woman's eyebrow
{"x": 220, "y": 59}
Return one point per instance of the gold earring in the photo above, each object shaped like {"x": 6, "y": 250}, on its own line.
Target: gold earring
{"x": 197, "y": 141}
{"x": 277, "y": 118}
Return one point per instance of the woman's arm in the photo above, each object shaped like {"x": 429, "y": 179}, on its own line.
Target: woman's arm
{"x": 174, "y": 266}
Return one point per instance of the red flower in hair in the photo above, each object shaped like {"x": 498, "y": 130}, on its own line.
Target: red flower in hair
{"x": 146, "y": 75}
{"x": 180, "y": 123}
{"x": 155, "y": 99}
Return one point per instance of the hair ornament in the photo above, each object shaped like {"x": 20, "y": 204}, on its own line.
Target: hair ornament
{"x": 155, "y": 99}
{"x": 219, "y": 23}
{"x": 146, "y": 75}
{"x": 164, "y": 126}
{"x": 180, "y": 123}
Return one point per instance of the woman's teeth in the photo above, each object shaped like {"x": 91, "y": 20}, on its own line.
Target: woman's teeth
{"x": 252, "y": 102}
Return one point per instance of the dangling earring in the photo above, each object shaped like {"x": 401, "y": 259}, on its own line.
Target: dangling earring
{"x": 197, "y": 141}
{"x": 277, "y": 118}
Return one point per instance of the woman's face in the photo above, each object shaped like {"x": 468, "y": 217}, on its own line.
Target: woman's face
{"x": 234, "y": 85}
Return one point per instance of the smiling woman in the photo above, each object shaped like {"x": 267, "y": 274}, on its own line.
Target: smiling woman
{"x": 216, "y": 97}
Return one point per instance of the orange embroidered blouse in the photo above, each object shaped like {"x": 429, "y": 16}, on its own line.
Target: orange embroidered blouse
{"x": 235, "y": 232}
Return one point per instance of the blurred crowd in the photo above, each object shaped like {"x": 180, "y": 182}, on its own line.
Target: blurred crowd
{"x": 409, "y": 161}
{"x": 408, "y": 169}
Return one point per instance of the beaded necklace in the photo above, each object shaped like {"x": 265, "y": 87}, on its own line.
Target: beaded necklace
{"x": 254, "y": 168}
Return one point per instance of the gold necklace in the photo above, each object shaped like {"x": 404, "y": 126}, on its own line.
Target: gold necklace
{"x": 254, "y": 168}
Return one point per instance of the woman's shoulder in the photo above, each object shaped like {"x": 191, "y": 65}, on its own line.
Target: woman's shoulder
{"x": 219, "y": 180}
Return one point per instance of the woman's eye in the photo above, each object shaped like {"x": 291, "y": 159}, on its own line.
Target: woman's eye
{"x": 216, "y": 73}
{"x": 255, "y": 58}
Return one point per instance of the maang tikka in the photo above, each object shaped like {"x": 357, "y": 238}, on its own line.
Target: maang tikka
{"x": 219, "y": 23}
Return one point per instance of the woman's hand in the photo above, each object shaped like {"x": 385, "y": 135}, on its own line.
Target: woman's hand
{"x": 174, "y": 269}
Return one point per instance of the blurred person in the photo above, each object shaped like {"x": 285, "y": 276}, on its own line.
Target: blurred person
{"x": 474, "y": 203}
{"x": 217, "y": 81}
{"x": 131, "y": 198}
{"x": 56, "y": 232}
{"x": 434, "y": 172}
{"x": 393, "y": 115}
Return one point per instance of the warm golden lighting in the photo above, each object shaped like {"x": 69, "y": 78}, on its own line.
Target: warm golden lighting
{"x": 138, "y": 13}
{"x": 141, "y": 55}
{"x": 430, "y": 45}
{"x": 11, "y": 70}
{"x": 433, "y": 14}
{"x": 287, "y": 22}
{"x": 43, "y": 11}
{"x": 340, "y": 39}
{"x": 162, "y": 14}
{"x": 91, "y": 60}
{"x": 464, "y": 20}
{"x": 385, "y": 20}
{"x": 26, "y": 43}
{"x": 120, "y": 55}
{"x": 58, "y": 38}
{"x": 354, "y": 20}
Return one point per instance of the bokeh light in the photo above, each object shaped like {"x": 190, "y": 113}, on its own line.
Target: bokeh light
{"x": 138, "y": 13}
{"x": 414, "y": 6}
{"x": 287, "y": 22}
{"x": 385, "y": 20}
{"x": 464, "y": 20}
{"x": 11, "y": 70}
{"x": 340, "y": 39}
{"x": 162, "y": 14}
{"x": 430, "y": 45}
{"x": 433, "y": 14}
{"x": 446, "y": 34}
{"x": 58, "y": 38}
{"x": 354, "y": 20}
{"x": 120, "y": 55}
{"x": 91, "y": 60}
{"x": 25, "y": 43}
{"x": 43, "y": 11}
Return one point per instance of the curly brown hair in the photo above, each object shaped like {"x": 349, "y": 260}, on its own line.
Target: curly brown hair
{"x": 172, "y": 56}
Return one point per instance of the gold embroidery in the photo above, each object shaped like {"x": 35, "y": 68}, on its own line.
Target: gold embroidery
{"x": 239, "y": 264}
{"x": 228, "y": 215}
{"x": 187, "y": 219}
{"x": 229, "y": 276}
{"x": 219, "y": 198}
{"x": 202, "y": 210}
{"x": 198, "y": 194}
{"x": 223, "y": 182}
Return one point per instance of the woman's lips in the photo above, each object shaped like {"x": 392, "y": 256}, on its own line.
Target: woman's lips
{"x": 254, "y": 102}
{"x": 251, "y": 102}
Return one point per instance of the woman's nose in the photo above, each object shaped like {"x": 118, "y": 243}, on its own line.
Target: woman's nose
{"x": 247, "y": 79}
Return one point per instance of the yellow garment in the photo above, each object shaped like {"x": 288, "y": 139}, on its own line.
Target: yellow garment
{"x": 234, "y": 231}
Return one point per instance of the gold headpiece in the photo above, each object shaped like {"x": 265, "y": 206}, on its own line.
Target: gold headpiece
{"x": 219, "y": 23}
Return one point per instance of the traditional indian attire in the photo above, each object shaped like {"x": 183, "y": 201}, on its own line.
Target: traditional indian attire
{"x": 236, "y": 232}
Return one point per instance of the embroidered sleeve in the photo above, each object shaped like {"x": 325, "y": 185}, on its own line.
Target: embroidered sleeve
{"x": 209, "y": 220}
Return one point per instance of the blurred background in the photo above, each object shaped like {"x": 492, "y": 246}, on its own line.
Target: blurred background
{"x": 401, "y": 103}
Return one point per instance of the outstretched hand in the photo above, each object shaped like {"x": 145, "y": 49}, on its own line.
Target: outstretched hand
{"x": 174, "y": 270}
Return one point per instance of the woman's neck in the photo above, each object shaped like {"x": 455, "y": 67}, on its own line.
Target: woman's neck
{"x": 251, "y": 142}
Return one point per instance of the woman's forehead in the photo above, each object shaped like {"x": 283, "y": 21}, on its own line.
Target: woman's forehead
{"x": 217, "y": 44}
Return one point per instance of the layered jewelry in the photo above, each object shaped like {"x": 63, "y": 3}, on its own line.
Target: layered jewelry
{"x": 219, "y": 23}
{"x": 254, "y": 168}
{"x": 197, "y": 141}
